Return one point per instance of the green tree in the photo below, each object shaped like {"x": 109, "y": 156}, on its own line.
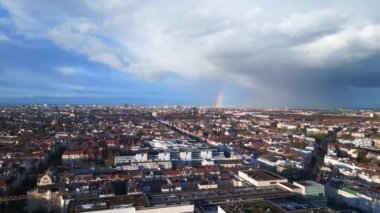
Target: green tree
{"x": 362, "y": 156}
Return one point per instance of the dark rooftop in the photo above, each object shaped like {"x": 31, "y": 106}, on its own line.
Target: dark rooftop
{"x": 262, "y": 175}
{"x": 289, "y": 185}
{"x": 107, "y": 203}
{"x": 217, "y": 194}
{"x": 307, "y": 183}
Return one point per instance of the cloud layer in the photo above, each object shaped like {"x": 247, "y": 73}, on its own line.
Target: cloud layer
{"x": 297, "y": 55}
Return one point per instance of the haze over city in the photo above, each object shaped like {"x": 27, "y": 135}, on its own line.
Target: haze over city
{"x": 319, "y": 54}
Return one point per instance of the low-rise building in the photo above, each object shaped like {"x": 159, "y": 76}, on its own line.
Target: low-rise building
{"x": 311, "y": 188}
{"x": 261, "y": 177}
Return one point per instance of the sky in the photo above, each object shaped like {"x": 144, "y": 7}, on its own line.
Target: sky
{"x": 267, "y": 53}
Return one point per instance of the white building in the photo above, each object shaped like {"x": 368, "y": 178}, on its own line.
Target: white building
{"x": 311, "y": 188}
{"x": 206, "y": 154}
{"x": 261, "y": 177}
{"x": 362, "y": 142}
{"x": 186, "y": 155}
{"x": 138, "y": 157}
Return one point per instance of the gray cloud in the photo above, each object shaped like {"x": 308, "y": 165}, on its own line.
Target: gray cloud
{"x": 298, "y": 54}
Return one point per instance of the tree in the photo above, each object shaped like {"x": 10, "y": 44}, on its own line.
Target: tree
{"x": 362, "y": 156}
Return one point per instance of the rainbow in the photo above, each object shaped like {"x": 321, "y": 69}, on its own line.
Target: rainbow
{"x": 219, "y": 98}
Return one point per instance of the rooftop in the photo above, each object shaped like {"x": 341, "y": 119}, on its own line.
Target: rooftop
{"x": 348, "y": 190}
{"x": 263, "y": 175}
{"x": 308, "y": 183}
{"x": 289, "y": 204}
{"x": 289, "y": 185}
{"x": 259, "y": 206}
{"x": 217, "y": 194}
{"x": 83, "y": 205}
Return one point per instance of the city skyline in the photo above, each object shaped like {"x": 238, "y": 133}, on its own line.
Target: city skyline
{"x": 323, "y": 54}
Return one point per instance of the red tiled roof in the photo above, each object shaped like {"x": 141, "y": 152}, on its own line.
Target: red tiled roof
{"x": 73, "y": 152}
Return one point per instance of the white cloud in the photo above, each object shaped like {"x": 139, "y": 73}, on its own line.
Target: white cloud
{"x": 348, "y": 45}
{"x": 68, "y": 71}
{"x": 298, "y": 25}
{"x": 252, "y": 43}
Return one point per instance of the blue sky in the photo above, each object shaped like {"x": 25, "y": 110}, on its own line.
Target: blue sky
{"x": 253, "y": 53}
{"x": 49, "y": 74}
